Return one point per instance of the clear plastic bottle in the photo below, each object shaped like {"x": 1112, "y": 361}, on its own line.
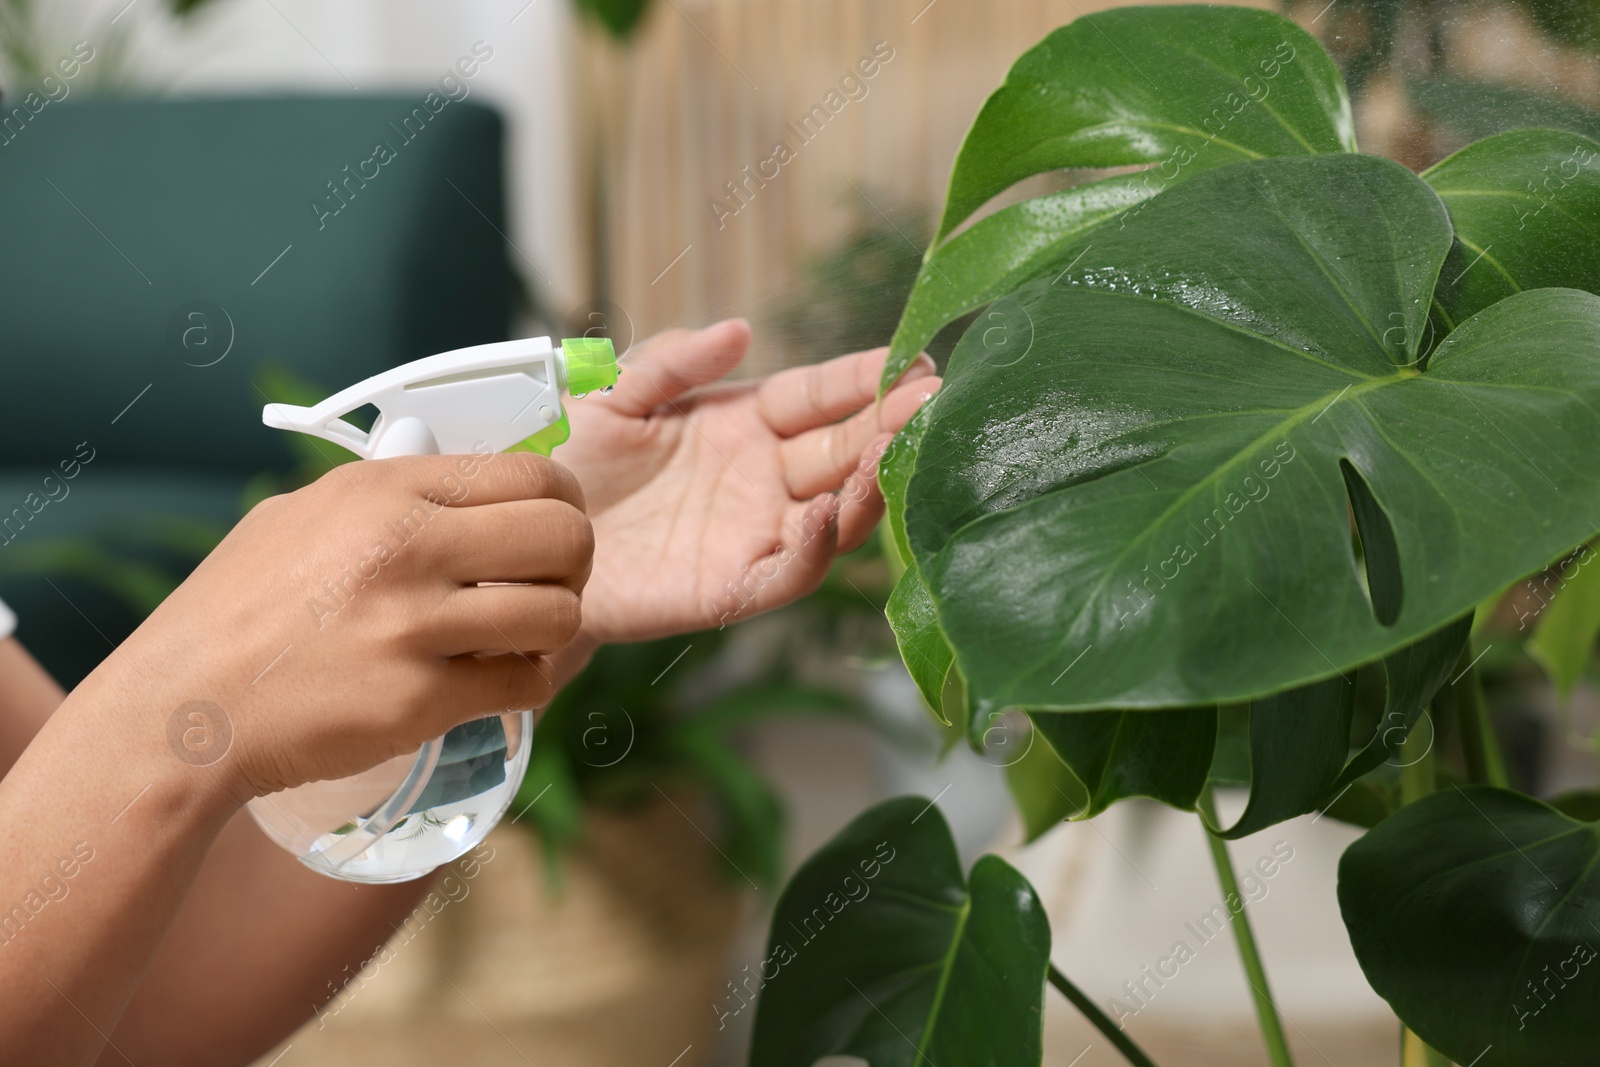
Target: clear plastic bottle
{"x": 411, "y": 814}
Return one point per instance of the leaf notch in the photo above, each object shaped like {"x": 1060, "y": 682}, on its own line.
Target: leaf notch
{"x": 1379, "y": 551}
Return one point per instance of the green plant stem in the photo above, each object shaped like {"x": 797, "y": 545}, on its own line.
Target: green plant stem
{"x": 1417, "y": 780}
{"x": 1416, "y": 765}
{"x": 1485, "y": 764}
{"x": 1414, "y": 1052}
{"x": 1266, "y": 1012}
{"x": 1102, "y": 1022}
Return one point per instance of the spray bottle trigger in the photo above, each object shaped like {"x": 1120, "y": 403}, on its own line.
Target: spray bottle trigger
{"x": 545, "y": 441}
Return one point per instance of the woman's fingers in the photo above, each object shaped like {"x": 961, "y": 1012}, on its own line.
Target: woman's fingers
{"x": 860, "y": 500}
{"x": 809, "y": 540}
{"x": 519, "y": 541}
{"x": 666, "y": 366}
{"x": 822, "y": 459}
{"x": 472, "y": 480}
{"x": 527, "y": 619}
{"x": 472, "y": 687}
{"x": 801, "y": 399}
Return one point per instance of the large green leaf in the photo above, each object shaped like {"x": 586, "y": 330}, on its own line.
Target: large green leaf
{"x": 1298, "y": 741}
{"x": 1184, "y": 89}
{"x": 1160, "y": 491}
{"x": 999, "y": 253}
{"x": 1412, "y": 676}
{"x": 1472, "y": 912}
{"x": 1149, "y": 85}
{"x": 927, "y": 654}
{"x": 1163, "y": 755}
{"x": 1044, "y": 789}
{"x": 1526, "y": 211}
{"x": 882, "y": 950}
{"x": 910, "y": 610}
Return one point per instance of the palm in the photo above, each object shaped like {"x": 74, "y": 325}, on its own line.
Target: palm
{"x": 712, "y": 505}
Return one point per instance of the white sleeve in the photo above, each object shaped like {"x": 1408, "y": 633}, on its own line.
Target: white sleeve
{"x": 8, "y": 621}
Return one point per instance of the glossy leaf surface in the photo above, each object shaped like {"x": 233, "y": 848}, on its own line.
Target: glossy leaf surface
{"x": 1149, "y": 84}
{"x": 1184, "y": 89}
{"x": 922, "y": 645}
{"x": 1526, "y": 211}
{"x": 999, "y": 253}
{"x": 1159, "y": 486}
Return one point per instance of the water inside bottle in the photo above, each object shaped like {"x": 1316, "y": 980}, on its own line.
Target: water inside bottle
{"x": 409, "y": 815}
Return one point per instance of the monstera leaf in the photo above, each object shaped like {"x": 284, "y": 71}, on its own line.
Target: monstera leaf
{"x": 1150, "y": 507}
{"x": 1472, "y": 912}
{"x": 1526, "y": 211}
{"x": 882, "y": 950}
{"x": 1298, "y": 747}
{"x": 1088, "y": 95}
{"x": 1163, "y": 755}
{"x": 1184, "y": 89}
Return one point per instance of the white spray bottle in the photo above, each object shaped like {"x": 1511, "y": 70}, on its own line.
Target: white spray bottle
{"x": 411, "y": 814}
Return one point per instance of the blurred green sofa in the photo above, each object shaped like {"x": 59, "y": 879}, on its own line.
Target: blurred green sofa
{"x": 155, "y": 256}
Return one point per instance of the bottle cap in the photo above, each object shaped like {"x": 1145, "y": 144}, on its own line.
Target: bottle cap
{"x": 591, "y": 364}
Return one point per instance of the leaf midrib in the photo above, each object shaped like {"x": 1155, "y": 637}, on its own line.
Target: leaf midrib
{"x": 1295, "y": 416}
{"x": 1533, "y": 938}
{"x": 1050, "y": 143}
{"x": 1209, "y": 481}
{"x": 1515, "y": 849}
{"x": 1323, "y": 266}
{"x": 1234, "y": 78}
{"x": 946, "y": 966}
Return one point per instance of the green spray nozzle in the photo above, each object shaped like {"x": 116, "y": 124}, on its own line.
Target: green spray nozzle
{"x": 591, "y": 364}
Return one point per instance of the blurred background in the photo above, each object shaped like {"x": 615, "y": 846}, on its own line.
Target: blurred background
{"x": 192, "y": 225}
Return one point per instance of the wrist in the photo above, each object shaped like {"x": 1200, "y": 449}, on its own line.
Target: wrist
{"x": 180, "y": 750}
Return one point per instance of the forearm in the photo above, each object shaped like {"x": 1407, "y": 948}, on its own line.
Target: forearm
{"x": 104, "y": 830}
{"x": 27, "y": 697}
{"x": 260, "y": 943}
{"x": 306, "y": 936}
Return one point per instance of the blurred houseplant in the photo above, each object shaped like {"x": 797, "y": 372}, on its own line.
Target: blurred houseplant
{"x": 27, "y": 53}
